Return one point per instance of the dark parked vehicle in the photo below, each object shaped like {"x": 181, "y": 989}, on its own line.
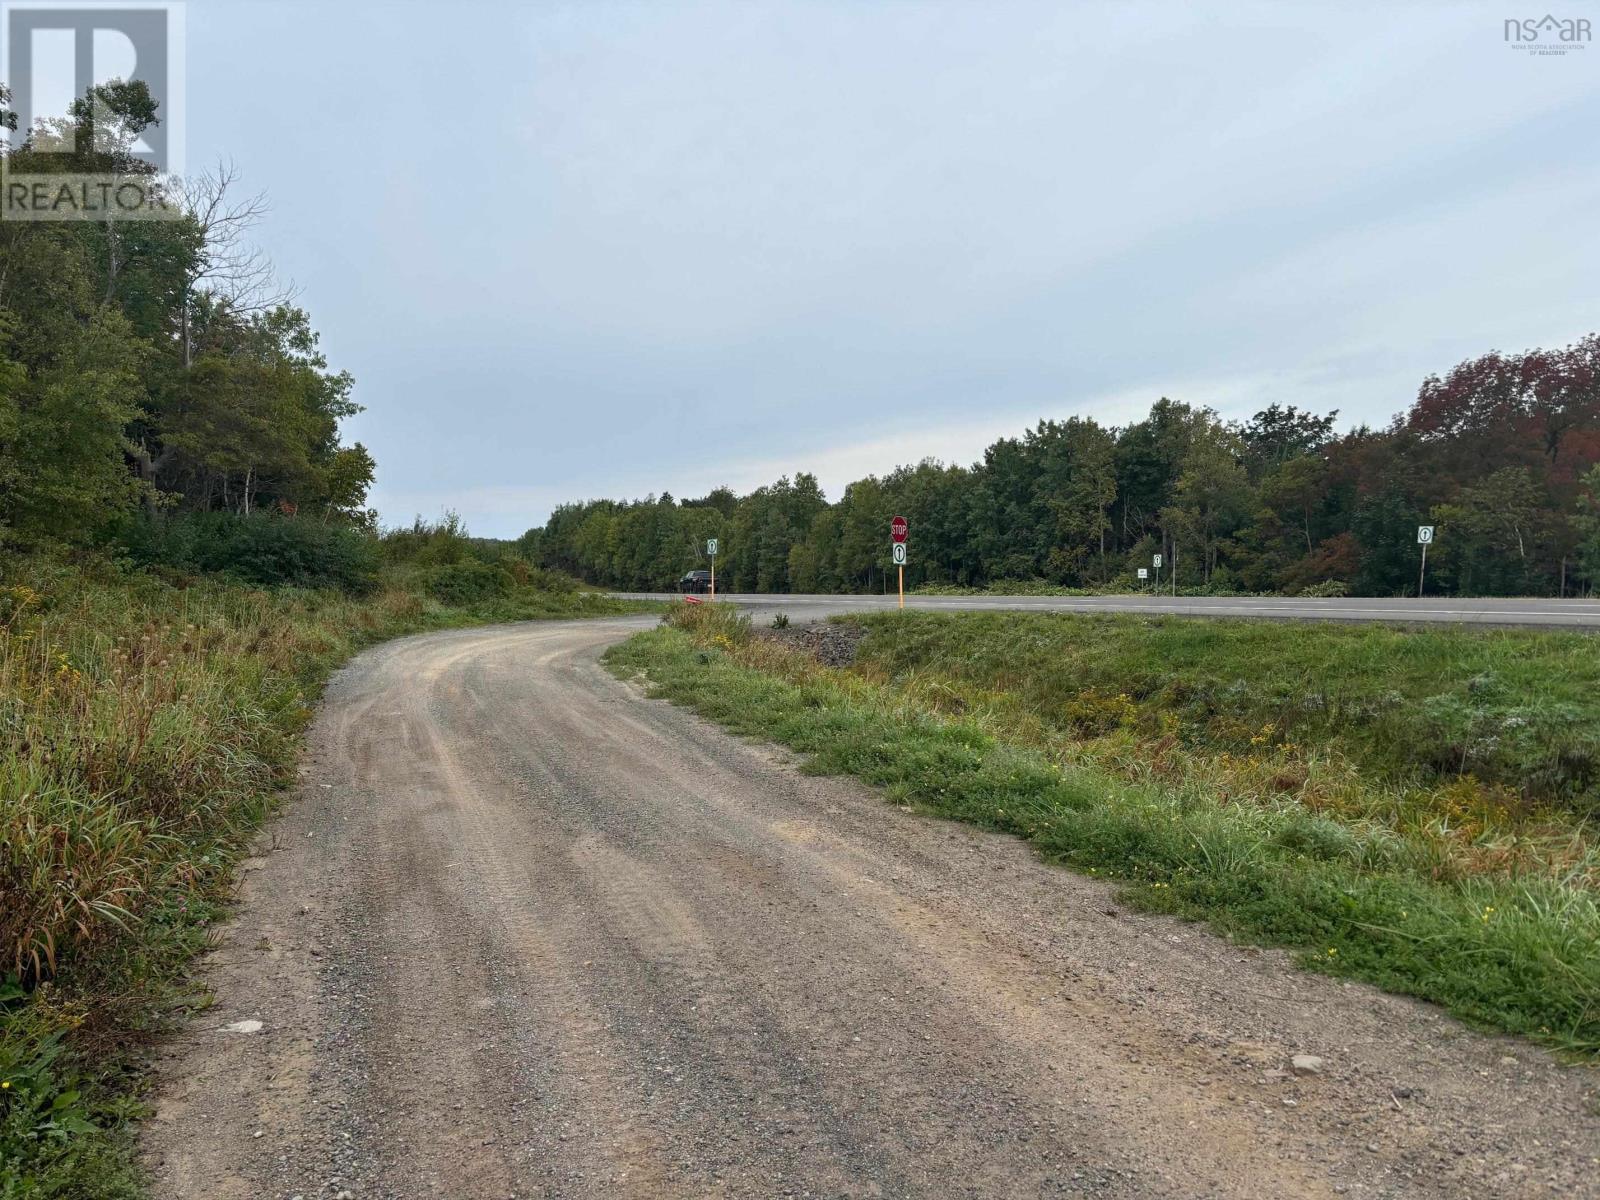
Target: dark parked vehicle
{"x": 695, "y": 581}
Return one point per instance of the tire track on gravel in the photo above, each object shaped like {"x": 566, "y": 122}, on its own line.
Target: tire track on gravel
{"x": 527, "y": 933}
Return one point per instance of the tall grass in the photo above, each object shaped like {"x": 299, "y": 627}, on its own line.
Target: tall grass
{"x": 144, "y": 726}
{"x": 1513, "y": 708}
{"x": 138, "y": 720}
{"x": 1480, "y": 744}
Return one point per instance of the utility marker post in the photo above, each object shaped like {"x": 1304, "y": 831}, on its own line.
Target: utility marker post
{"x": 711, "y": 553}
{"x": 1424, "y": 539}
{"x": 898, "y": 530}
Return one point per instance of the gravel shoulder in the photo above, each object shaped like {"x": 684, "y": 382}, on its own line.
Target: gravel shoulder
{"x": 526, "y": 933}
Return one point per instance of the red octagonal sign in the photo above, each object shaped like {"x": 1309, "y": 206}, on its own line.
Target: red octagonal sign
{"x": 897, "y": 529}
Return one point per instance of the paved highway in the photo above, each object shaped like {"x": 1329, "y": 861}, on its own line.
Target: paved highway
{"x": 1571, "y": 614}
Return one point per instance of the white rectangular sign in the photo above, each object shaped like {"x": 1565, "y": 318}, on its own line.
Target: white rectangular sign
{"x": 1424, "y": 534}
{"x": 711, "y": 547}
{"x": 899, "y": 554}
{"x": 1158, "y": 562}
{"x": 1144, "y": 572}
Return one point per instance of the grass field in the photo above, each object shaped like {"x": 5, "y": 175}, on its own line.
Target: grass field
{"x": 1189, "y": 760}
{"x": 1515, "y": 712}
{"x": 145, "y": 729}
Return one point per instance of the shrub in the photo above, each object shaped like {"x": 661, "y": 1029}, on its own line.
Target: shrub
{"x": 542, "y": 580}
{"x": 1327, "y": 589}
{"x": 269, "y": 550}
{"x": 467, "y": 583}
{"x": 1092, "y": 711}
{"x": 425, "y": 543}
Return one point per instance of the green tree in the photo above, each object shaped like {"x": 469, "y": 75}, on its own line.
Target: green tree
{"x": 67, "y": 477}
{"x": 1074, "y": 490}
{"x": 133, "y": 370}
{"x": 1149, "y": 459}
{"x": 1490, "y": 534}
{"x": 1385, "y": 528}
{"x": 1277, "y": 435}
{"x": 1211, "y": 500}
{"x": 1586, "y": 527}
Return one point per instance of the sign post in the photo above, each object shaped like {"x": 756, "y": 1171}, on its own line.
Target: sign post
{"x": 898, "y": 530}
{"x": 1424, "y": 539}
{"x": 1144, "y": 574}
{"x": 711, "y": 552}
{"x": 1158, "y": 572}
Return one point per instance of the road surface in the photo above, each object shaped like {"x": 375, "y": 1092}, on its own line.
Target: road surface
{"x": 523, "y": 932}
{"x": 1573, "y": 614}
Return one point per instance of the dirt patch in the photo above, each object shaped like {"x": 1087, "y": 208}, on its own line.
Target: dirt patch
{"x": 831, "y": 643}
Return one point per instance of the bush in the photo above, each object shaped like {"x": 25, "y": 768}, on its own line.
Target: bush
{"x": 466, "y": 583}
{"x": 542, "y": 580}
{"x": 429, "y": 543}
{"x": 1327, "y": 589}
{"x": 268, "y": 550}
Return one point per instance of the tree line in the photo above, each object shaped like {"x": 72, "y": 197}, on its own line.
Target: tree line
{"x": 1499, "y": 454}
{"x": 155, "y": 373}
{"x": 155, "y": 368}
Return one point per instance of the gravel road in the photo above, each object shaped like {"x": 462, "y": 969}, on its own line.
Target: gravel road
{"x": 525, "y": 933}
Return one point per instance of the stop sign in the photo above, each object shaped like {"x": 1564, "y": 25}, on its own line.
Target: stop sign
{"x": 897, "y": 529}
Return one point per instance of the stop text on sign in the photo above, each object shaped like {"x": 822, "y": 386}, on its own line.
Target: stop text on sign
{"x": 898, "y": 530}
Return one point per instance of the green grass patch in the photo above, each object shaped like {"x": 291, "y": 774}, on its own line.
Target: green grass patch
{"x": 1353, "y": 897}
{"x": 146, "y": 726}
{"x": 1517, "y": 711}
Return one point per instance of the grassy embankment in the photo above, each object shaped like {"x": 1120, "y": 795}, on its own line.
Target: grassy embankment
{"x": 1410, "y": 808}
{"x": 145, "y": 728}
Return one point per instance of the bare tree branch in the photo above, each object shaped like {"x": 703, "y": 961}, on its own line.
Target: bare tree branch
{"x": 238, "y": 274}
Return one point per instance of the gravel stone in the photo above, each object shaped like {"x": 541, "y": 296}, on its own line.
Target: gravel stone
{"x": 1306, "y": 1064}
{"x": 831, "y": 643}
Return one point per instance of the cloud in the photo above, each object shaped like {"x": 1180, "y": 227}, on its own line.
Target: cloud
{"x": 506, "y": 510}
{"x": 626, "y": 248}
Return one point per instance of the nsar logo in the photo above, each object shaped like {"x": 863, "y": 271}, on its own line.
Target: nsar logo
{"x": 1548, "y": 34}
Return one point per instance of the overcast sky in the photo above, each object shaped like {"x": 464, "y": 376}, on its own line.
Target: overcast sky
{"x": 573, "y": 250}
